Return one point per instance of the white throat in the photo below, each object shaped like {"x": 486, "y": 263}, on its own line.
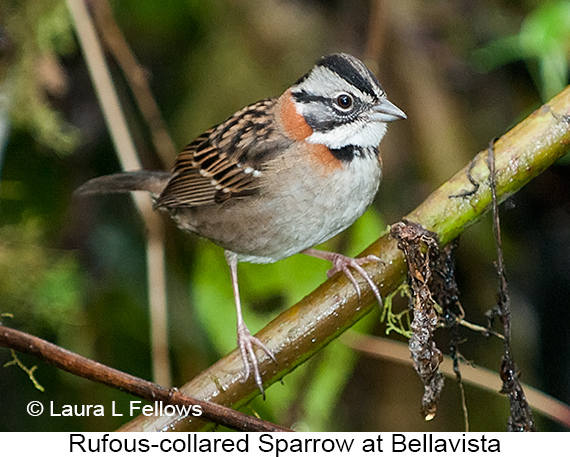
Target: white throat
{"x": 361, "y": 133}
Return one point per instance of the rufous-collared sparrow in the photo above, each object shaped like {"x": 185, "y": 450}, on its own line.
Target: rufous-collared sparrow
{"x": 279, "y": 176}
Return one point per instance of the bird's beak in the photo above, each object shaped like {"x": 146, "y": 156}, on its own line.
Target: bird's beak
{"x": 386, "y": 111}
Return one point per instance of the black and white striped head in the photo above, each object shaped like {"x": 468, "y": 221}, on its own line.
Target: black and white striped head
{"x": 343, "y": 103}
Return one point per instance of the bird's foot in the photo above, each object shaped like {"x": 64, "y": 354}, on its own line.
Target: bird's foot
{"x": 246, "y": 343}
{"x": 342, "y": 263}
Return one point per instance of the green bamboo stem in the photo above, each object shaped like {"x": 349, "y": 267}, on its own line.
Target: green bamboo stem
{"x": 299, "y": 332}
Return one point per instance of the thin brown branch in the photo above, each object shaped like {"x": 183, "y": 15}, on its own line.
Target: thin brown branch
{"x": 442, "y": 144}
{"x": 375, "y": 33}
{"x": 157, "y": 303}
{"x": 128, "y": 157}
{"x": 482, "y": 378}
{"x": 137, "y": 80}
{"x": 521, "y": 418}
{"x": 97, "y": 372}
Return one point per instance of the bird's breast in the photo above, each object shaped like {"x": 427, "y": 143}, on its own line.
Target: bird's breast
{"x": 295, "y": 209}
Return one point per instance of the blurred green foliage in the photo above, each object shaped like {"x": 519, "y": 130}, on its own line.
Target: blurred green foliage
{"x": 40, "y": 285}
{"x": 543, "y": 42}
{"x": 33, "y": 74}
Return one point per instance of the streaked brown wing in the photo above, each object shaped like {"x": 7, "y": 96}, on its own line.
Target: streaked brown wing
{"x": 223, "y": 162}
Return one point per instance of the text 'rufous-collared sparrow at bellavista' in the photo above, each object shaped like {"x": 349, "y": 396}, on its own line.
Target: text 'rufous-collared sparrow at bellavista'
{"x": 279, "y": 176}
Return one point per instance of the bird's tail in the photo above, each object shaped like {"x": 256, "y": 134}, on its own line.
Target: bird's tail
{"x": 151, "y": 181}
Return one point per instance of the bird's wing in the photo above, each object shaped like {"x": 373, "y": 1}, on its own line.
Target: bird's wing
{"x": 224, "y": 162}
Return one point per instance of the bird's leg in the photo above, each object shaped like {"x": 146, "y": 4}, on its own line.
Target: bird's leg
{"x": 343, "y": 263}
{"x": 245, "y": 340}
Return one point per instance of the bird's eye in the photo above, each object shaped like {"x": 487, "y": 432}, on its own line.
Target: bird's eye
{"x": 344, "y": 101}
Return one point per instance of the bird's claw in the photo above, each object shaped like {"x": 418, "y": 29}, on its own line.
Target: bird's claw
{"x": 343, "y": 264}
{"x": 246, "y": 342}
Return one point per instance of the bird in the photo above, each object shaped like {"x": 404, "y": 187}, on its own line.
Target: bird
{"x": 278, "y": 177}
